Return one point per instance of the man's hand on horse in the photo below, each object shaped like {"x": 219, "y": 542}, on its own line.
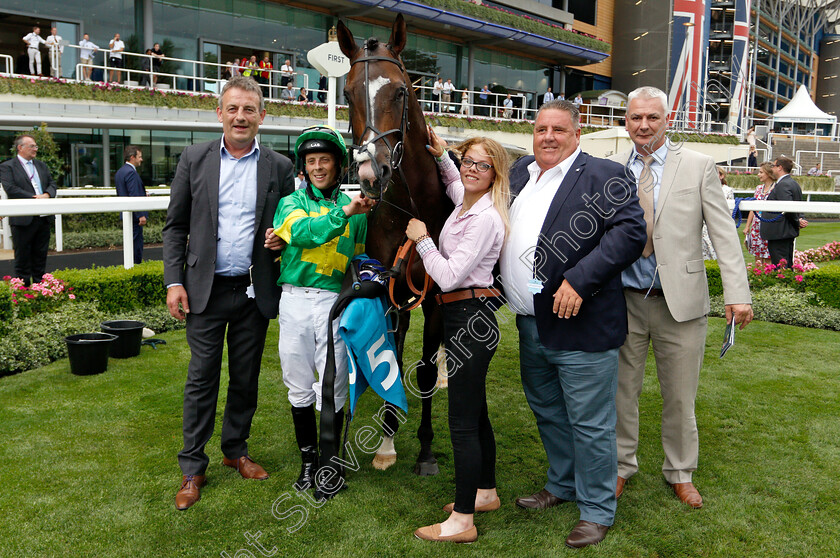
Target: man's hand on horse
{"x": 272, "y": 241}
{"x": 437, "y": 146}
{"x": 566, "y": 301}
{"x": 416, "y": 229}
{"x": 359, "y": 204}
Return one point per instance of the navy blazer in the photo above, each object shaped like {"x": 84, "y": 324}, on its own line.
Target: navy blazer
{"x": 786, "y": 226}
{"x": 17, "y": 185}
{"x": 594, "y": 229}
{"x": 129, "y": 184}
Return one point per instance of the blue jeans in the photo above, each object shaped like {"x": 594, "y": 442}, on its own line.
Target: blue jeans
{"x": 572, "y": 395}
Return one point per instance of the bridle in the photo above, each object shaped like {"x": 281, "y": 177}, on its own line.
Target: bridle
{"x": 407, "y": 251}
{"x": 395, "y": 149}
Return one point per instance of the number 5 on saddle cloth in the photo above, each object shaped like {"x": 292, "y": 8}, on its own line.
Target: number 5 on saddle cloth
{"x": 364, "y": 327}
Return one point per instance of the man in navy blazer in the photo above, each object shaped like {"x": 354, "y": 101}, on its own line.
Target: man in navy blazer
{"x": 25, "y": 177}
{"x": 130, "y": 184}
{"x": 781, "y": 229}
{"x": 576, "y": 224}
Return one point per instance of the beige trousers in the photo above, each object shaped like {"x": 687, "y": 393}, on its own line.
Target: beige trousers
{"x": 678, "y": 351}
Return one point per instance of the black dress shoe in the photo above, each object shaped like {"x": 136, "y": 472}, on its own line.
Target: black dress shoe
{"x": 586, "y": 533}
{"x": 539, "y": 501}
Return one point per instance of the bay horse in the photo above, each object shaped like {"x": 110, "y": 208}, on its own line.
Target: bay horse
{"x": 394, "y": 167}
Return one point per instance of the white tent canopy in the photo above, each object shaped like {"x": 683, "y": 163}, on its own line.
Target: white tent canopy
{"x": 802, "y": 110}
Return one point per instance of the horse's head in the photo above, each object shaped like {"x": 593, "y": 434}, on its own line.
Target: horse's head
{"x": 377, "y": 91}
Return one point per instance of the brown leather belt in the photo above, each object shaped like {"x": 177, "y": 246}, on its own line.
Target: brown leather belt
{"x": 651, "y": 293}
{"x": 466, "y": 294}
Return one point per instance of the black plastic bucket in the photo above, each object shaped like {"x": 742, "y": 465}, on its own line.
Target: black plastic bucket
{"x": 88, "y": 352}
{"x": 130, "y": 336}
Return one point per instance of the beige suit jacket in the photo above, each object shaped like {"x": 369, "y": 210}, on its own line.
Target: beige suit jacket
{"x": 690, "y": 193}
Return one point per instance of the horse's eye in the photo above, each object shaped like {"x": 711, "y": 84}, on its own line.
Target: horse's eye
{"x": 400, "y": 93}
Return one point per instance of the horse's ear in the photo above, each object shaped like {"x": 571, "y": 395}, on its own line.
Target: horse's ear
{"x": 345, "y": 40}
{"x": 398, "y": 35}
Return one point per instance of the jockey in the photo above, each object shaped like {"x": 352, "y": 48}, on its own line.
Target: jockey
{"x": 323, "y": 229}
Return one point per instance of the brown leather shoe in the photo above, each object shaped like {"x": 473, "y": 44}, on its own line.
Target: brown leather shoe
{"x": 492, "y": 506}
{"x": 619, "y": 486}
{"x": 586, "y": 533}
{"x": 190, "y": 491}
{"x": 432, "y": 533}
{"x": 686, "y": 492}
{"x": 246, "y": 467}
{"x": 540, "y": 501}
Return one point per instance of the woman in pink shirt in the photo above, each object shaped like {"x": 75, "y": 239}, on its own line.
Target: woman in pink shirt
{"x": 462, "y": 267}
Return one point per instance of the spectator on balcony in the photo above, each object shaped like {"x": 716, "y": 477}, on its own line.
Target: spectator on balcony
{"x": 578, "y": 100}
{"x": 86, "y": 50}
{"x": 252, "y": 68}
{"x": 322, "y": 89}
{"x": 446, "y": 95}
{"x": 264, "y": 77}
{"x": 465, "y": 102}
{"x": 815, "y": 171}
{"x": 54, "y": 43}
{"x": 33, "y": 49}
{"x": 115, "y": 58}
{"x": 146, "y": 66}
{"x": 303, "y": 96}
{"x": 548, "y": 97}
{"x": 508, "y": 104}
{"x": 751, "y": 136}
{"x": 157, "y": 62}
{"x": 437, "y": 89}
{"x": 286, "y": 73}
{"x": 484, "y": 100}
{"x": 752, "y": 158}
{"x": 288, "y": 93}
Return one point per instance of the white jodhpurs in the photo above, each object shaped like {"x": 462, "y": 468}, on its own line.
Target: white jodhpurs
{"x": 303, "y": 319}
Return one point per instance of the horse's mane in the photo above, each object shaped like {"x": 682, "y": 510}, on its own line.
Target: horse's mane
{"x": 372, "y": 44}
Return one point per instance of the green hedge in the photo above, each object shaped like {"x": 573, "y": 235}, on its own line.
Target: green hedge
{"x": 82, "y": 222}
{"x": 107, "y": 238}
{"x": 807, "y": 183}
{"x": 116, "y": 289}
{"x": 823, "y": 282}
{"x": 782, "y": 305}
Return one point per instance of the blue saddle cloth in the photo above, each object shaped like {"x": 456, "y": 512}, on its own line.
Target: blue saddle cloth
{"x": 371, "y": 352}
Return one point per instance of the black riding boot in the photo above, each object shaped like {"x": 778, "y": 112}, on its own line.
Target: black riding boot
{"x": 330, "y": 489}
{"x": 306, "y": 433}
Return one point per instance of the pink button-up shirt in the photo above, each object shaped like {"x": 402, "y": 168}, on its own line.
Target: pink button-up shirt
{"x": 469, "y": 244}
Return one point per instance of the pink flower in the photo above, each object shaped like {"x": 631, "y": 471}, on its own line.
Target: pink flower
{"x": 799, "y": 278}
{"x": 72, "y": 297}
{"x": 27, "y": 295}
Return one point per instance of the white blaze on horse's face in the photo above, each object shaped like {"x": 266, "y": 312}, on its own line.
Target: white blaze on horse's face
{"x": 374, "y": 88}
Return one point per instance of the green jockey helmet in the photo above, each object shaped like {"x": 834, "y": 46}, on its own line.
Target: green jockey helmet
{"x": 320, "y": 139}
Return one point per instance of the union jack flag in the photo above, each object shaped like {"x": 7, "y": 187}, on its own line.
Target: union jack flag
{"x": 740, "y": 54}
{"x": 690, "y": 35}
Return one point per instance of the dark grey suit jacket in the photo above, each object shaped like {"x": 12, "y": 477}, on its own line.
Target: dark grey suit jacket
{"x": 189, "y": 235}
{"x": 17, "y": 185}
{"x": 788, "y": 225}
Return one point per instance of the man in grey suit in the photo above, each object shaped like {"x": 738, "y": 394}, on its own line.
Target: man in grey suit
{"x": 666, "y": 290}
{"x": 25, "y": 177}
{"x": 220, "y": 275}
{"x": 781, "y": 229}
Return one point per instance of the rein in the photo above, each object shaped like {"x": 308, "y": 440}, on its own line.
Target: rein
{"x": 406, "y": 255}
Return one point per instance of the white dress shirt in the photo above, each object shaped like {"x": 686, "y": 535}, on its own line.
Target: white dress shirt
{"x": 527, "y": 215}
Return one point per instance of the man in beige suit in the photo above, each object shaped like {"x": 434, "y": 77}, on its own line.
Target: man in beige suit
{"x": 666, "y": 290}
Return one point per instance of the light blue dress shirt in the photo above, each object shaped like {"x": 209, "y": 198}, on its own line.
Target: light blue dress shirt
{"x": 237, "y": 211}
{"x": 642, "y": 274}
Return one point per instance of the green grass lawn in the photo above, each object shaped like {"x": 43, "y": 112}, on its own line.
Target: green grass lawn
{"x": 90, "y": 469}
{"x": 812, "y": 236}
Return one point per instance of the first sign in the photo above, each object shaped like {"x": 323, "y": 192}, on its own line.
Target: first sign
{"x": 329, "y": 60}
